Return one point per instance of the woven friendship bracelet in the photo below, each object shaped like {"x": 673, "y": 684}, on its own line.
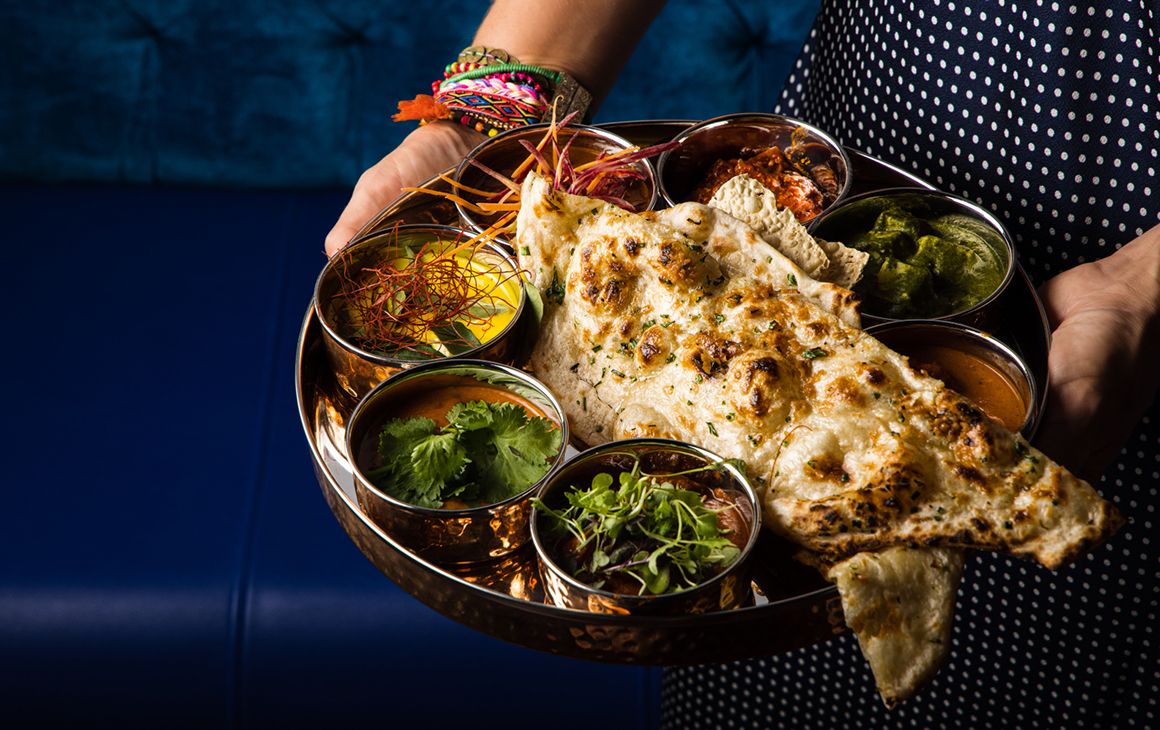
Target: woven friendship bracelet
{"x": 497, "y": 86}
{"x": 491, "y": 91}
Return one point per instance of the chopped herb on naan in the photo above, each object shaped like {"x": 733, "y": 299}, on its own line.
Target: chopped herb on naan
{"x": 685, "y": 323}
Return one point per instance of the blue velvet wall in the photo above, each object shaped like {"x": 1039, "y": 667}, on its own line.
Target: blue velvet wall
{"x": 176, "y": 566}
{"x": 296, "y": 94}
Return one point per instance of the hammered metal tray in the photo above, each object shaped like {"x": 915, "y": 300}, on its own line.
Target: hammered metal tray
{"x": 793, "y": 607}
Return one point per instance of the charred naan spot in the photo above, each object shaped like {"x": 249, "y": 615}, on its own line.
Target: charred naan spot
{"x": 708, "y": 353}
{"x": 760, "y": 379}
{"x": 706, "y": 365}
{"x": 551, "y": 203}
{"x": 673, "y": 263}
{"x": 968, "y": 412}
{"x": 667, "y": 255}
{"x": 865, "y": 516}
{"x": 892, "y": 488}
{"x": 851, "y": 301}
{"x": 844, "y": 390}
{"x": 601, "y": 280}
{"x": 632, "y": 246}
{"x": 625, "y": 326}
{"x": 825, "y": 515}
{"x": 653, "y": 347}
{"x": 968, "y": 474}
{"x": 969, "y": 433}
{"x": 613, "y": 293}
{"x": 980, "y": 524}
{"x": 826, "y": 467}
{"x": 817, "y": 330}
{"x": 875, "y": 376}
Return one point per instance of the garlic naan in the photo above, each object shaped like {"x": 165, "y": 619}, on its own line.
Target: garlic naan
{"x": 685, "y": 324}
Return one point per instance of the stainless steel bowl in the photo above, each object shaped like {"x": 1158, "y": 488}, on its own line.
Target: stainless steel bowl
{"x": 357, "y": 368}
{"x": 857, "y": 215}
{"x": 728, "y": 589}
{"x": 1003, "y": 371}
{"x": 505, "y": 155}
{"x": 447, "y": 536}
{"x": 737, "y": 136}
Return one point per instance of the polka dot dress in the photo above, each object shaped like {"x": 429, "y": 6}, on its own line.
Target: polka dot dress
{"x": 1048, "y": 113}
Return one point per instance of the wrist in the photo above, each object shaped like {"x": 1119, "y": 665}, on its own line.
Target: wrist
{"x": 455, "y": 138}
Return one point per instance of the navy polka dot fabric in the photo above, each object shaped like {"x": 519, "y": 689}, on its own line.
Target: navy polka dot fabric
{"x": 1048, "y": 113}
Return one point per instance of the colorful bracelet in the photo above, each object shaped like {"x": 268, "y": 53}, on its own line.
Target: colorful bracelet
{"x": 490, "y": 90}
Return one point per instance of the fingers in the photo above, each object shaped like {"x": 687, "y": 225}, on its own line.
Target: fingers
{"x": 429, "y": 150}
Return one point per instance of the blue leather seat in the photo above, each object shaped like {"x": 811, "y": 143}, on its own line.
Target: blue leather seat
{"x": 169, "y": 171}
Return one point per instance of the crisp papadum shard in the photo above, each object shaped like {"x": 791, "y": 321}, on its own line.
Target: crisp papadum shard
{"x": 900, "y": 603}
{"x": 756, "y": 205}
{"x": 846, "y": 264}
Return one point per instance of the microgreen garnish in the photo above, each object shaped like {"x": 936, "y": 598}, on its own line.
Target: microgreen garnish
{"x": 641, "y": 529}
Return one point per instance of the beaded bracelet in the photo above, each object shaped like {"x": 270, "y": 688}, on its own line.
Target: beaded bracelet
{"x": 490, "y": 90}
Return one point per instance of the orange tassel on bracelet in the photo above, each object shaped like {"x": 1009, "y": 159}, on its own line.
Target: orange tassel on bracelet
{"x": 422, "y": 108}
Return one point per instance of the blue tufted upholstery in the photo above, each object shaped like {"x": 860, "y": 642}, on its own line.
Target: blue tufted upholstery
{"x": 299, "y": 94}
{"x": 169, "y": 169}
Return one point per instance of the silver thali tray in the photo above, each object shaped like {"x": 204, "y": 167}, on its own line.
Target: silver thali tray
{"x": 505, "y": 599}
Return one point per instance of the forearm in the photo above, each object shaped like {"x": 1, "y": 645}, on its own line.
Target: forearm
{"x": 590, "y": 39}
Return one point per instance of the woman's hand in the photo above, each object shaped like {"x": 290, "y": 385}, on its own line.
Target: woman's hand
{"x": 1104, "y": 364}
{"x": 427, "y": 151}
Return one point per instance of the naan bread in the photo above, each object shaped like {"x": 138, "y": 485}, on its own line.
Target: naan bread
{"x": 901, "y": 603}
{"x": 686, "y": 324}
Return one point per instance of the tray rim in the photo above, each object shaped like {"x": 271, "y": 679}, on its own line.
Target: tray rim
{"x": 360, "y": 528}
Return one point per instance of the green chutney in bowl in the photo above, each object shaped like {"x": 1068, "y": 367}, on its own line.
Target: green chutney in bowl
{"x": 932, "y": 255}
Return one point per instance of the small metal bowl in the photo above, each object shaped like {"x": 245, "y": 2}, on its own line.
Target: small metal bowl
{"x": 505, "y": 155}
{"x": 741, "y": 136}
{"x": 448, "y": 536}
{"x": 728, "y": 589}
{"x": 972, "y": 363}
{"x": 857, "y": 215}
{"x": 358, "y": 369}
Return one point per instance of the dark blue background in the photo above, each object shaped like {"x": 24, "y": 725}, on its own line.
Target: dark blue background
{"x": 168, "y": 171}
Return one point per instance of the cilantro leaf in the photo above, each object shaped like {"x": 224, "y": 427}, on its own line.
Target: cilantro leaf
{"x": 486, "y": 454}
{"x": 518, "y": 447}
{"x": 439, "y": 457}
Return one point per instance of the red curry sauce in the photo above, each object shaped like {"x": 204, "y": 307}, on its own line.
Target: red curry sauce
{"x": 984, "y": 384}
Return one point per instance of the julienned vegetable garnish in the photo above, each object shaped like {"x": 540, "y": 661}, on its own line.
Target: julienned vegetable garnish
{"x": 642, "y": 533}
{"x": 487, "y": 453}
{"x": 606, "y": 178}
{"x": 444, "y": 298}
